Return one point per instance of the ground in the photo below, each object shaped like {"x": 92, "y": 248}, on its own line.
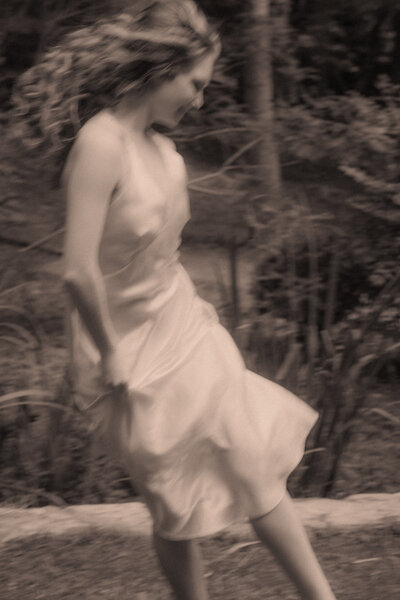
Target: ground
{"x": 361, "y": 565}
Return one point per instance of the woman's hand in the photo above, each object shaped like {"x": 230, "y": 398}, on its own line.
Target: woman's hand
{"x": 113, "y": 372}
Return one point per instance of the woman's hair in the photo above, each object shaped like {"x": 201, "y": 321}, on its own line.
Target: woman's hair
{"x": 95, "y": 66}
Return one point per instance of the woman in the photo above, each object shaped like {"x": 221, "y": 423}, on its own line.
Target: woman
{"x": 206, "y": 441}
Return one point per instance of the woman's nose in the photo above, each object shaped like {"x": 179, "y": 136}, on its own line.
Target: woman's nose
{"x": 199, "y": 100}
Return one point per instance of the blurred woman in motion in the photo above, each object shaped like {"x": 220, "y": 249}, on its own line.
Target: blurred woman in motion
{"x": 206, "y": 441}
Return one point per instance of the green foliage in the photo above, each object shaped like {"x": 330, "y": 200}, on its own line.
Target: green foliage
{"x": 345, "y": 45}
{"x": 358, "y": 135}
{"x": 326, "y": 319}
{"x": 325, "y": 324}
{"x": 47, "y": 455}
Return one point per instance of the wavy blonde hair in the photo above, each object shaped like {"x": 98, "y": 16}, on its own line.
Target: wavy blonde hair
{"x": 94, "y": 67}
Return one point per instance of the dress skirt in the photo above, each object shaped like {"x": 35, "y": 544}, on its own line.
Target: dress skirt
{"x": 206, "y": 441}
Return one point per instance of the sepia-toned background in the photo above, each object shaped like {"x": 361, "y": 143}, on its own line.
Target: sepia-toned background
{"x": 294, "y": 170}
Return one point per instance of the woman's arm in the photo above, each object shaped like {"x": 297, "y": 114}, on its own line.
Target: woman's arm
{"x": 91, "y": 175}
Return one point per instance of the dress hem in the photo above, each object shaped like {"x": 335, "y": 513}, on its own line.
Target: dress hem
{"x": 218, "y": 529}
{"x": 209, "y": 533}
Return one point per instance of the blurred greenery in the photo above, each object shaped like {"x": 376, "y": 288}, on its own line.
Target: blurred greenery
{"x": 325, "y": 311}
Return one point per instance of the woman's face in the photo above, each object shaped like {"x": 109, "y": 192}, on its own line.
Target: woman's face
{"x": 170, "y": 101}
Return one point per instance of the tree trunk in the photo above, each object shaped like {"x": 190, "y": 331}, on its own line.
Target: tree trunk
{"x": 369, "y": 68}
{"x": 260, "y": 99}
{"x": 395, "y": 67}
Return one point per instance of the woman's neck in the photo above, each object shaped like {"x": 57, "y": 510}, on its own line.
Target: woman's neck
{"x": 134, "y": 115}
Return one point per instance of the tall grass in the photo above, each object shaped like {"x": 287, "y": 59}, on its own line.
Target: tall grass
{"x": 46, "y": 452}
{"x": 333, "y": 364}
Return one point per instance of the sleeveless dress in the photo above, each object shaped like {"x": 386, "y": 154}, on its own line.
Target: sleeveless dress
{"x": 206, "y": 441}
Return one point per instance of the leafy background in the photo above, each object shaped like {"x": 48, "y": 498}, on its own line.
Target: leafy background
{"x": 323, "y": 314}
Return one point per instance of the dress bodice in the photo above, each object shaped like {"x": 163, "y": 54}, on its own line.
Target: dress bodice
{"x": 138, "y": 253}
{"x": 145, "y": 215}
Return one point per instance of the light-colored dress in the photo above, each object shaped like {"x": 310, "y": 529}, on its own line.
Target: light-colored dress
{"x": 206, "y": 441}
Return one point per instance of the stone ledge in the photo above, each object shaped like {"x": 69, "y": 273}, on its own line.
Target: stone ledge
{"x": 316, "y": 513}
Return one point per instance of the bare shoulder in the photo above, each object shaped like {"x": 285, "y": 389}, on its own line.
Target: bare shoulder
{"x": 98, "y": 142}
{"x": 102, "y": 125}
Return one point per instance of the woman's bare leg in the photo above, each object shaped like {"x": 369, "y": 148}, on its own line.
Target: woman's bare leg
{"x": 182, "y": 565}
{"x": 282, "y": 531}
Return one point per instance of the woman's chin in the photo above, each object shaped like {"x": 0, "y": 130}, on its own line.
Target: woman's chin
{"x": 168, "y": 123}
